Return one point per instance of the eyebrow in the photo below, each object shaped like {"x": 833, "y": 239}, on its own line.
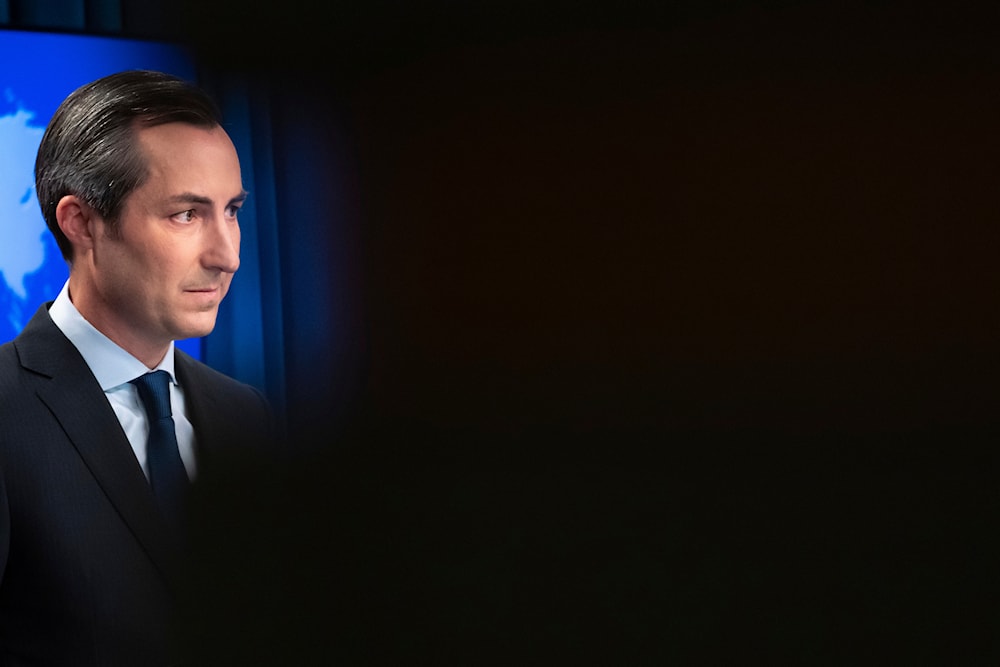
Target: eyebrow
{"x": 192, "y": 198}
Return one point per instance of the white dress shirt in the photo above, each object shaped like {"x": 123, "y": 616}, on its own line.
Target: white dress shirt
{"x": 114, "y": 368}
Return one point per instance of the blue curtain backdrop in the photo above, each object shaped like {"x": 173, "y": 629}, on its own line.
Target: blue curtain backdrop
{"x": 290, "y": 323}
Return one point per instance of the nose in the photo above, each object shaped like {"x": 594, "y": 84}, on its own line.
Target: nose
{"x": 222, "y": 245}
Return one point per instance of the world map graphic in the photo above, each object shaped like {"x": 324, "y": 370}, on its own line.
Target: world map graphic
{"x": 38, "y": 70}
{"x": 31, "y": 269}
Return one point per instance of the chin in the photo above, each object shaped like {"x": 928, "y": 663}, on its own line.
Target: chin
{"x": 196, "y": 329}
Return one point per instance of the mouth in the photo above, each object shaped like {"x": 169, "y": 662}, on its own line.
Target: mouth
{"x": 205, "y": 297}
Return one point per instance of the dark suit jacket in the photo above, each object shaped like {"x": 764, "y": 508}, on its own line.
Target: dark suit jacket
{"x": 89, "y": 572}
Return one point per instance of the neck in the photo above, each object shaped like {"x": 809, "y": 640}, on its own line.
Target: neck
{"x": 146, "y": 350}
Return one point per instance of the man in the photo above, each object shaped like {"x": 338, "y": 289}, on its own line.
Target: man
{"x": 141, "y": 187}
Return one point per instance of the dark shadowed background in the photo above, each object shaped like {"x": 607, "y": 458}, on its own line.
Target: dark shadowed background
{"x": 678, "y": 328}
{"x": 660, "y": 334}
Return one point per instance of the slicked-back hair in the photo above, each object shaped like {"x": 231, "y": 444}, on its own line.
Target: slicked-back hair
{"x": 90, "y": 147}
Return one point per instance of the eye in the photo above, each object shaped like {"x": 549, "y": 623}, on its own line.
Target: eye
{"x": 183, "y": 216}
{"x": 232, "y": 210}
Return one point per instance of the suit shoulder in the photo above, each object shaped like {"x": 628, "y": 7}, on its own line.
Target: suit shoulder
{"x": 200, "y": 374}
{"x": 215, "y": 397}
{"x": 8, "y": 354}
{"x": 9, "y": 367}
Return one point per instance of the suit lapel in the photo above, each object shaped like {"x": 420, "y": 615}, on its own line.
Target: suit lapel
{"x": 67, "y": 387}
{"x": 197, "y": 402}
{"x": 202, "y": 404}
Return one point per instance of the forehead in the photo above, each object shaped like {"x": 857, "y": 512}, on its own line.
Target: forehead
{"x": 189, "y": 154}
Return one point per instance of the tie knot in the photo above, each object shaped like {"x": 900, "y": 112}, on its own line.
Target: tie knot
{"x": 154, "y": 390}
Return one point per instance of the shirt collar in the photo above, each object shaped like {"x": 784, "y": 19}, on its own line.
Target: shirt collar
{"x": 110, "y": 364}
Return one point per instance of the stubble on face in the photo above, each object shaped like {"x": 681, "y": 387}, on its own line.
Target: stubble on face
{"x": 161, "y": 274}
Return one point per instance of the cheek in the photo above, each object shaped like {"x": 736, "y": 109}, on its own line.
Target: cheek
{"x": 121, "y": 268}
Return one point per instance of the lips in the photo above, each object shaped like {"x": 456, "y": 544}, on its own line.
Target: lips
{"x": 205, "y": 296}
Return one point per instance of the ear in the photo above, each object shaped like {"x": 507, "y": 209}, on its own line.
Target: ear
{"x": 76, "y": 220}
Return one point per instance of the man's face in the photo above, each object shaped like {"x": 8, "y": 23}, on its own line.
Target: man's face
{"x": 162, "y": 277}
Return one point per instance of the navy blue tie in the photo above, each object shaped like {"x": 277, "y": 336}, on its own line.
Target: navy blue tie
{"x": 167, "y": 476}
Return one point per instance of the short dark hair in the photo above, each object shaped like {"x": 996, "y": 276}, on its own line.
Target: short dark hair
{"x": 89, "y": 148}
